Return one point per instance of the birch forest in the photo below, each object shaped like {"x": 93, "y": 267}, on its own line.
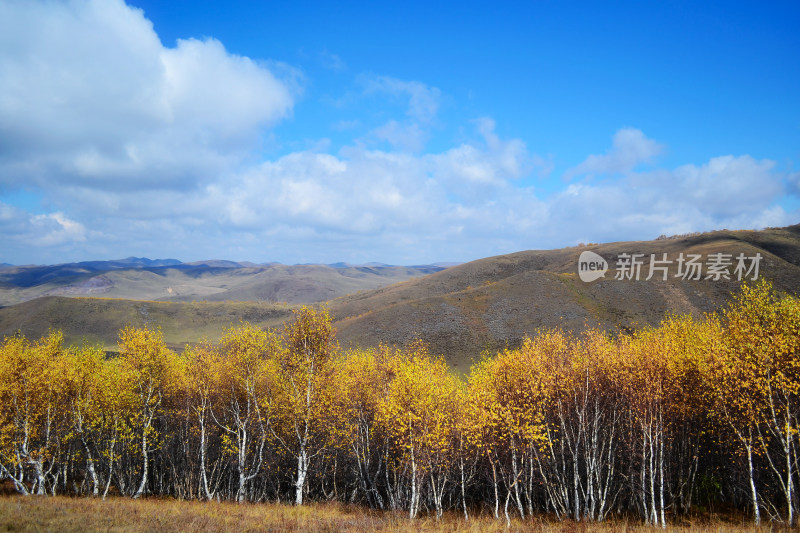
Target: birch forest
{"x": 654, "y": 424}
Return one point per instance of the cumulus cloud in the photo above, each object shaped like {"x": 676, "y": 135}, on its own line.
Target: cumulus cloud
{"x": 727, "y": 186}
{"x": 728, "y": 191}
{"x": 144, "y": 149}
{"x": 385, "y": 198}
{"x": 24, "y": 230}
{"x": 409, "y": 137}
{"x": 421, "y": 105}
{"x": 475, "y": 172}
{"x": 460, "y": 204}
{"x": 630, "y": 148}
{"x": 88, "y": 94}
{"x": 55, "y": 228}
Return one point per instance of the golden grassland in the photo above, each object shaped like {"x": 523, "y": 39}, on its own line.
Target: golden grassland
{"x": 60, "y": 513}
{"x": 98, "y": 320}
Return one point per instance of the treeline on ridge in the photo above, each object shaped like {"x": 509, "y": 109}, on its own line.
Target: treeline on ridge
{"x": 658, "y": 423}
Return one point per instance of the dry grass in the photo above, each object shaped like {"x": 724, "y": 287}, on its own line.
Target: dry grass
{"x": 496, "y": 301}
{"x": 98, "y": 320}
{"x": 19, "y": 513}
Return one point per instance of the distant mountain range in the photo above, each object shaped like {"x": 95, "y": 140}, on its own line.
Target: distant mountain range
{"x": 460, "y": 311}
{"x": 139, "y": 278}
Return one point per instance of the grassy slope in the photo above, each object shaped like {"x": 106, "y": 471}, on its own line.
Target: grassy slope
{"x": 98, "y": 320}
{"x": 495, "y": 302}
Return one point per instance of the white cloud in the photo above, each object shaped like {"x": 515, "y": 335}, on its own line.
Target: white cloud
{"x": 727, "y": 186}
{"x": 469, "y": 165}
{"x": 55, "y": 228}
{"x": 421, "y": 107}
{"x": 726, "y": 192}
{"x": 138, "y": 148}
{"x": 407, "y": 137}
{"x": 89, "y": 95}
{"x": 392, "y": 203}
{"x": 630, "y": 148}
{"x": 26, "y": 230}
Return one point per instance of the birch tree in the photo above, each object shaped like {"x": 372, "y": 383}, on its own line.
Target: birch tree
{"x": 32, "y": 418}
{"x": 149, "y": 366}
{"x": 301, "y": 403}
{"x": 763, "y": 337}
{"x": 243, "y": 382}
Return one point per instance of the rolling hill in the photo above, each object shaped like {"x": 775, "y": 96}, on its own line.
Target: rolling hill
{"x": 217, "y": 280}
{"x": 494, "y": 302}
{"x": 459, "y": 311}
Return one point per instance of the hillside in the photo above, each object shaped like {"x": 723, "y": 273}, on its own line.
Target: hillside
{"x": 171, "y": 280}
{"x": 494, "y": 302}
{"x": 461, "y": 311}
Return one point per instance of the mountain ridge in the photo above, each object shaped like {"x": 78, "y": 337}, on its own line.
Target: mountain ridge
{"x": 493, "y": 303}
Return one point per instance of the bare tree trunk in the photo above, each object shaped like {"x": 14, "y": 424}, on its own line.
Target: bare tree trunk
{"x": 19, "y": 483}
{"x": 302, "y": 470}
{"x": 92, "y": 472}
{"x": 206, "y": 492}
{"x": 496, "y": 494}
{"x": 143, "y": 483}
{"x": 110, "y": 465}
{"x": 517, "y": 473}
{"x": 463, "y": 490}
{"x": 412, "y": 511}
{"x": 753, "y": 493}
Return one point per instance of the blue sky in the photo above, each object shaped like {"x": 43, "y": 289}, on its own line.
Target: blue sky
{"x": 405, "y": 133}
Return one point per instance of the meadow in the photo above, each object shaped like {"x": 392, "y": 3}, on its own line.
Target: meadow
{"x": 65, "y": 514}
